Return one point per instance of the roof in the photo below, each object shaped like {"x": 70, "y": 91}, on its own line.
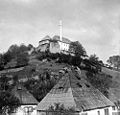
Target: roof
{"x": 24, "y": 96}
{"x": 45, "y": 38}
{"x": 56, "y": 37}
{"x": 73, "y": 91}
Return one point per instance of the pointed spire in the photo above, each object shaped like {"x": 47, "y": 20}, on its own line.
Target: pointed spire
{"x": 60, "y": 27}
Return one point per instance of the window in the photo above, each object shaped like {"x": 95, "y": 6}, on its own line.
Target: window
{"x": 60, "y": 87}
{"x": 98, "y": 112}
{"x": 87, "y": 85}
{"x": 106, "y": 111}
{"x": 79, "y": 85}
{"x": 113, "y": 107}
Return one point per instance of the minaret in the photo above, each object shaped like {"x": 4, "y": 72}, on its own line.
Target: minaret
{"x": 60, "y": 27}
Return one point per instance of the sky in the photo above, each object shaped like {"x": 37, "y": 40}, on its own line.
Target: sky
{"x": 94, "y": 23}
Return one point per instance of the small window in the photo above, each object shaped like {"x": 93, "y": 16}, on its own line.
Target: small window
{"x": 87, "y": 85}
{"x": 98, "y": 112}
{"x": 60, "y": 87}
{"x": 79, "y": 85}
{"x": 106, "y": 111}
{"x": 113, "y": 107}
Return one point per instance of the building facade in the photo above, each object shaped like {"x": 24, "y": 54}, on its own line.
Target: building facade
{"x": 54, "y": 45}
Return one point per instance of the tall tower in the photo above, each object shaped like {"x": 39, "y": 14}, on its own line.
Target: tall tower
{"x": 60, "y": 29}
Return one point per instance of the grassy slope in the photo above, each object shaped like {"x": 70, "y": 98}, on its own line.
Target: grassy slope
{"x": 115, "y": 85}
{"x": 38, "y": 66}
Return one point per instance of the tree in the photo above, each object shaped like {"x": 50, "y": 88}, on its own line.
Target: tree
{"x": 94, "y": 60}
{"x": 59, "y": 109}
{"x": 22, "y": 59}
{"x": 93, "y": 64}
{"x": 77, "y": 48}
{"x": 114, "y": 61}
{"x": 4, "y": 83}
{"x": 1, "y": 62}
{"x": 30, "y": 46}
{"x": 8, "y": 102}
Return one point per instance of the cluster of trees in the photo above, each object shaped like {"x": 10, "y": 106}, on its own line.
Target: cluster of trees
{"x": 114, "y": 61}
{"x": 8, "y": 102}
{"x": 15, "y": 53}
{"x": 40, "y": 87}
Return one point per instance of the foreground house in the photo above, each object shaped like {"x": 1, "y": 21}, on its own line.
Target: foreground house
{"x": 73, "y": 91}
{"x": 27, "y": 101}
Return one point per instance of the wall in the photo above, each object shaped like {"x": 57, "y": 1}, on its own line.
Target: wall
{"x": 54, "y": 47}
{"x": 92, "y": 112}
{"x": 43, "y": 48}
{"x": 21, "y": 110}
{"x": 97, "y": 112}
{"x": 63, "y": 46}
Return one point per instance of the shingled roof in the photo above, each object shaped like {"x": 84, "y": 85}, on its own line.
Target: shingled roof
{"x": 24, "y": 96}
{"x": 56, "y": 37}
{"x": 73, "y": 91}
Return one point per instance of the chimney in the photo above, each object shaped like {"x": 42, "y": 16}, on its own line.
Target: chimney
{"x": 60, "y": 27}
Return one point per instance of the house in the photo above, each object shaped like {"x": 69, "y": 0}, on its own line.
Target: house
{"x": 73, "y": 91}
{"x": 54, "y": 45}
{"x": 27, "y": 101}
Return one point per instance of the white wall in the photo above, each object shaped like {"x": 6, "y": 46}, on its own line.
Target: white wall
{"x": 92, "y": 112}
{"x": 95, "y": 112}
{"x": 63, "y": 46}
{"x": 21, "y": 110}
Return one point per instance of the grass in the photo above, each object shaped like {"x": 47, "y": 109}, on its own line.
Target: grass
{"x": 114, "y": 90}
{"x": 34, "y": 68}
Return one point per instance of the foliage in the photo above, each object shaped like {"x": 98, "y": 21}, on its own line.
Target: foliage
{"x": 1, "y": 62}
{"x": 100, "y": 81}
{"x": 114, "y": 61}
{"x": 8, "y": 102}
{"x": 22, "y": 59}
{"x": 117, "y": 104}
{"x": 16, "y": 53}
{"x": 59, "y": 109}
{"x": 4, "y": 83}
{"x": 39, "y": 88}
{"x": 93, "y": 64}
{"x": 77, "y": 48}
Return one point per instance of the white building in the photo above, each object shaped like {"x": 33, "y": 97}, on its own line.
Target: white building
{"x": 54, "y": 45}
{"x": 73, "y": 91}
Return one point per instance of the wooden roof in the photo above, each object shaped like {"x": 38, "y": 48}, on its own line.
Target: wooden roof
{"x": 73, "y": 91}
{"x": 24, "y": 96}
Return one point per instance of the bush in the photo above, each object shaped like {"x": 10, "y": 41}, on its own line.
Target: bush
{"x": 59, "y": 109}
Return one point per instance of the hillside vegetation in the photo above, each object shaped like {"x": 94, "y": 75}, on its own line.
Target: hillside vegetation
{"x": 40, "y": 71}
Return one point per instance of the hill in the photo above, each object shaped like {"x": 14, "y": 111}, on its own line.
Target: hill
{"x": 114, "y": 90}
{"x": 41, "y": 74}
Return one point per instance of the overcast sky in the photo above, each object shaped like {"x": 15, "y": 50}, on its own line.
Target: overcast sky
{"x": 95, "y": 23}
